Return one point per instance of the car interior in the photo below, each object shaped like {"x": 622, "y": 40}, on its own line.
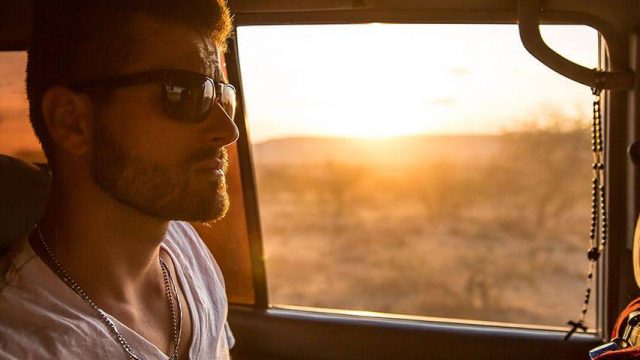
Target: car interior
{"x": 266, "y": 240}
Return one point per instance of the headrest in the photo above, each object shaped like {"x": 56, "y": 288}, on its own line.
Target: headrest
{"x": 23, "y": 192}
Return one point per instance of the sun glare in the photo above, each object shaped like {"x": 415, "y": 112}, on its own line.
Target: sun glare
{"x": 387, "y": 80}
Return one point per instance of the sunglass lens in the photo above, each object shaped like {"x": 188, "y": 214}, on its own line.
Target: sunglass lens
{"x": 208, "y": 94}
{"x": 191, "y": 99}
{"x": 180, "y": 102}
{"x": 188, "y": 103}
{"x": 228, "y": 100}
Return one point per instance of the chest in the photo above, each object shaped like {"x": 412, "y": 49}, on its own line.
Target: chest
{"x": 162, "y": 323}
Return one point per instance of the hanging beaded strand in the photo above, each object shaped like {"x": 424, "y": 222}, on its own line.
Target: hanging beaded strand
{"x": 598, "y": 230}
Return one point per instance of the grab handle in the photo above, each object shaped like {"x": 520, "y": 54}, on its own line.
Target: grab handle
{"x": 529, "y": 26}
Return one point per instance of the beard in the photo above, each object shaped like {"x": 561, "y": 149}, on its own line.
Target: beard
{"x": 158, "y": 190}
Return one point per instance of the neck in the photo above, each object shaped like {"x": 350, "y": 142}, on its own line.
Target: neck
{"x": 110, "y": 249}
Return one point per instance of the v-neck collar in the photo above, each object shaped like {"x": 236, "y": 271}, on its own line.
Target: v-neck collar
{"x": 59, "y": 287}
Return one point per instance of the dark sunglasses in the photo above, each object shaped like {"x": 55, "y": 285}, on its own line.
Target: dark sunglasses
{"x": 186, "y": 96}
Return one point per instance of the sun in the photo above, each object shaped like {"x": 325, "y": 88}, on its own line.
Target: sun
{"x": 373, "y": 128}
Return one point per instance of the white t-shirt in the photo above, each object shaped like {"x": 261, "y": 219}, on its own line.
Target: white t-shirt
{"x": 42, "y": 318}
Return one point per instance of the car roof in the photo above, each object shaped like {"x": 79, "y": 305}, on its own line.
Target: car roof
{"x": 16, "y": 15}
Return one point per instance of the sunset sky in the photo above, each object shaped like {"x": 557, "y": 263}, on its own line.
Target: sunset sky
{"x": 382, "y": 80}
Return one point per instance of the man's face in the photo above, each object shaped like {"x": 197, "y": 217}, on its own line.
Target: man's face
{"x": 146, "y": 160}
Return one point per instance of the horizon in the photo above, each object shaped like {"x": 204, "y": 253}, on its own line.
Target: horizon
{"x": 503, "y": 132}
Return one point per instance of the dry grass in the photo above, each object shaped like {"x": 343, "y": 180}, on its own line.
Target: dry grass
{"x": 498, "y": 237}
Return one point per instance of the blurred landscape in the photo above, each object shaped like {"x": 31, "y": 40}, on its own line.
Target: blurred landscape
{"x": 480, "y": 227}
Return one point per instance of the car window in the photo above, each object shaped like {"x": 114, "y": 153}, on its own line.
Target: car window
{"x": 424, "y": 170}
{"x": 16, "y": 136}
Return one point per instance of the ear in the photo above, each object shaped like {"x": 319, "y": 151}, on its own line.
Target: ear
{"x": 68, "y": 116}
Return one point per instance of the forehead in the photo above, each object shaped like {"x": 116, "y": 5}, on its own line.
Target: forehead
{"x": 159, "y": 44}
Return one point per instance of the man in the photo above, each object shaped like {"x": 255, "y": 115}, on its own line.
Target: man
{"x": 129, "y": 101}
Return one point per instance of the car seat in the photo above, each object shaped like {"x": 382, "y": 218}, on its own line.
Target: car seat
{"x": 23, "y": 192}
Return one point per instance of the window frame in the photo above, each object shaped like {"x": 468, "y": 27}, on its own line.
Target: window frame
{"x": 333, "y": 335}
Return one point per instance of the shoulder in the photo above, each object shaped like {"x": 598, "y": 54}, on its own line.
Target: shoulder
{"x": 183, "y": 234}
{"x": 38, "y": 337}
{"x": 37, "y": 321}
{"x": 184, "y": 237}
{"x": 29, "y": 335}
{"x": 14, "y": 261}
{"x": 185, "y": 243}
{"x": 182, "y": 228}
{"x": 38, "y": 325}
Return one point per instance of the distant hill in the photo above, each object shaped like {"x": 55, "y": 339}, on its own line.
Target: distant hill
{"x": 400, "y": 150}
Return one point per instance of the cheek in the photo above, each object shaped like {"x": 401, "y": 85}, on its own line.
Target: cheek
{"x": 137, "y": 119}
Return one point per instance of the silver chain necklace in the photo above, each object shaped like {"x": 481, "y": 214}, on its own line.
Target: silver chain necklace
{"x": 170, "y": 289}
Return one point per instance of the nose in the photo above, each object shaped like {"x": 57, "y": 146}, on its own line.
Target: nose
{"x": 220, "y": 128}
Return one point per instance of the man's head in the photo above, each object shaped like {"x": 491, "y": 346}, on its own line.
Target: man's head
{"x": 122, "y": 137}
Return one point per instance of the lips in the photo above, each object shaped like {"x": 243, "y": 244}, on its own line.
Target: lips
{"x": 216, "y": 163}
{"x": 216, "y": 167}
